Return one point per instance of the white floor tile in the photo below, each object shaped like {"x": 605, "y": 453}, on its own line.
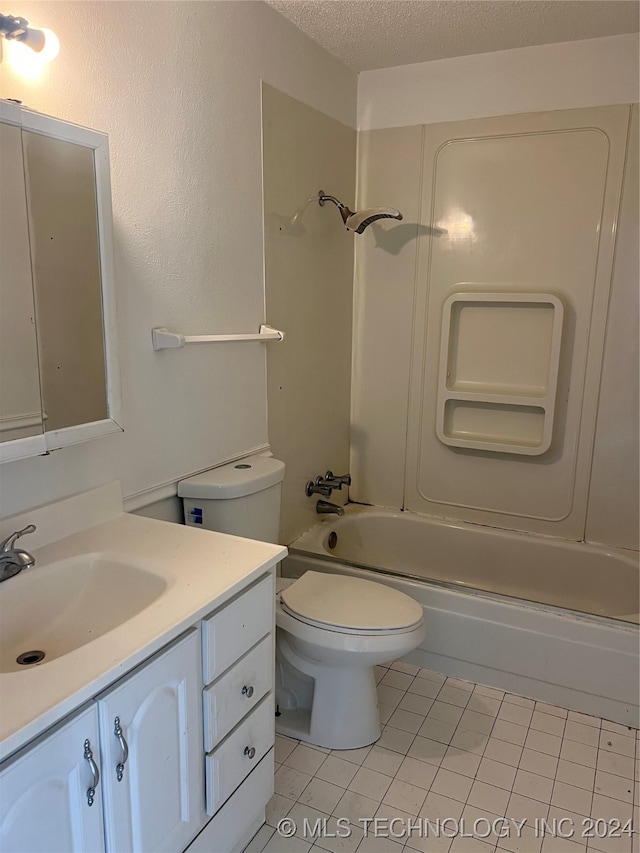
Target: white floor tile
{"x": 399, "y": 680}
{"x": 575, "y": 774}
{"x": 613, "y": 762}
{"x": 355, "y": 807}
{"x": 425, "y": 687}
{"x": 452, "y": 749}
{"x": 506, "y": 753}
{"x": 337, "y": 770}
{"x": 370, "y": 783}
{"x": 395, "y": 740}
{"x": 454, "y": 695}
{"x": 578, "y": 753}
{"x": 445, "y": 712}
{"x": 321, "y": 795}
{"x": 484, "y": 704}
{"x": 586, "y": 735}
{"x": 612, "y": 742}
{"x": 542, "y": 742}
{"x": 417, "y": 772}
{"x": 524, "y": 808}
{"x": 488, "y": 797}
{"x": 306, "y": 759}
{"x": 290, "y": 782}
{"x": 532, "y": 785}
{"x": 477, "y": 722}
{"x": 495, "y": 773}
{"x": 466, "y": 763}
{"x": 278, "y": 844}
{"x": 277, "y": 808}
{"x": 383, "y": 760}
{"x": 355, "y": 756}
{"x": 538, "y": 762}
{"x": 511, "y": 732}
{"x": 452, "y": 785}
{"x": 550, "y": 723}
{"x": 389, "y": 695}
{"x": 405, "y": 796}
{"x": 336, "y": 840}
{"x": 571, "y": 798}
{"x": 425, "y": 749}
{"x": 521, "y": 715}
{"x": 616, "y": 787}
{"x": 416, "y": 703}
{"x": 406, "y": 721}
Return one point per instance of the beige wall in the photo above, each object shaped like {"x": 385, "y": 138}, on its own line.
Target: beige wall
{"x": 177, "y": 88}
{"x": 403, "y": 274}
{"x": 309, "y": 292}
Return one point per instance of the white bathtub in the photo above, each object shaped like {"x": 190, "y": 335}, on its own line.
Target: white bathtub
{"x": 546, "y": 618}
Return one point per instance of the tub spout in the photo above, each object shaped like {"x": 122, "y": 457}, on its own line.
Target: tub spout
{"x": 326, "y": 508}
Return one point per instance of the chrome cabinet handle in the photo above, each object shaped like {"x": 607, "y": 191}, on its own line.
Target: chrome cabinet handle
{"x": 123, "y": 745}
{"x": 250, "y": 751}
{"x": 91, "y": 792}
{"x": 247, "y": 691}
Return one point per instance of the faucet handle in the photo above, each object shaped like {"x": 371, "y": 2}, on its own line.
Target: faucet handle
{"x": 8, "y": 543}
{"x": 344, "y": 480}
{"x": 317, "y": 488}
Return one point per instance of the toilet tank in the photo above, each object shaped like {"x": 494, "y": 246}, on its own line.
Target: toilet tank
{"x": 241, "y": 498}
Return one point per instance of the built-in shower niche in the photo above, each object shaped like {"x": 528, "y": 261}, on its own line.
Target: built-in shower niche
{"x": 498, "y": 373}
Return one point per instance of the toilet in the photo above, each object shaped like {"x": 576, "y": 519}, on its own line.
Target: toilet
{"x": 331, "y": 630}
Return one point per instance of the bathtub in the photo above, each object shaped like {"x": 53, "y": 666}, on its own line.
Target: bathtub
{"x": 553, "y": 620}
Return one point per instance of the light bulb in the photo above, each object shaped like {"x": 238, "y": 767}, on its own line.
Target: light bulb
{"x": 51, "y": 47}
{"x": 29, "y": 57}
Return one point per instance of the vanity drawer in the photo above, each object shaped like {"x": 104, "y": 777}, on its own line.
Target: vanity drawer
{"x": 235, "y": 628}
{"x": 235, "y": 758}
{"x": 237, "y": 692}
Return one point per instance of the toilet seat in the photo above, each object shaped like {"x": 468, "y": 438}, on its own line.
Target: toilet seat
{"x": 350, "y": 605}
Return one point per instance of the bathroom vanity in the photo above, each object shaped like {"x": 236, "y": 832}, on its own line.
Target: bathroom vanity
{"x": 156, "y": 734}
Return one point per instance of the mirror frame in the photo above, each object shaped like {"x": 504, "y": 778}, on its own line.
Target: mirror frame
{"x": 21, "y": 448}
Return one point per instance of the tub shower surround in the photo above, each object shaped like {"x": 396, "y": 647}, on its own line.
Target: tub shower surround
{"x": 491, "y": 612}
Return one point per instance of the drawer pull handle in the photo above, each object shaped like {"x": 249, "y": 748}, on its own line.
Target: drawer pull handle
{"x": 250, "y": 751}
{"x": 123, "y": 745}
{"x": 247, "y": 691}
{"x": 94, "y": 772}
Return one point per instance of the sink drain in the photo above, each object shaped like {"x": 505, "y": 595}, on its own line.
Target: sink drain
{"x": 27, "y": 658}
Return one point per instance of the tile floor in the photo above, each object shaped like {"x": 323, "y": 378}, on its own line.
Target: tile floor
{"x": 473, "y": 760}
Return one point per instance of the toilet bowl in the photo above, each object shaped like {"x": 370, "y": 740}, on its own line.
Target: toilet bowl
{"x": 331, "y": 631}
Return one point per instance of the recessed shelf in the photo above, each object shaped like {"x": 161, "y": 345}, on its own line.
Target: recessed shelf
{"x": 498, "y": 371}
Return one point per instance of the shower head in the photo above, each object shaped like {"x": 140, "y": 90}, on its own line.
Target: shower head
{"x": 358, "y": 220}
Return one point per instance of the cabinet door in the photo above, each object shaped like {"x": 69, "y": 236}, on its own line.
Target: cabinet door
{"x": 44, "y": 801}
{"x": 157, "y": 803}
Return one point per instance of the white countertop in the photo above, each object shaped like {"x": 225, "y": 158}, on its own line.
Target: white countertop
{"x": 202, "y": 570}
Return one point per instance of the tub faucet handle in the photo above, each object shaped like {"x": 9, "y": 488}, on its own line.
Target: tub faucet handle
{"x": 317, "y": 488}
{"x": 344, "y": 480}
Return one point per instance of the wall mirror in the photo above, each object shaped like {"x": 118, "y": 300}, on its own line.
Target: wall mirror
{"x": 59, "y": 379}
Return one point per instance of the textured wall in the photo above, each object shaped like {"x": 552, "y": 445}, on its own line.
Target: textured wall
{"x": 177, "y": 88}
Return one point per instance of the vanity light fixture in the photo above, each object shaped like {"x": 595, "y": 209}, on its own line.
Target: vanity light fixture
{"x": 44, "y": 42}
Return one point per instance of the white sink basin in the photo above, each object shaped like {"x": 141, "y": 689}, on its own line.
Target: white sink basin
{"x": 64, "y": 605}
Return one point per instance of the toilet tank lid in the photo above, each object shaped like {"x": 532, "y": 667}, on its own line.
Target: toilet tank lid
{"x": 235, "y": 480}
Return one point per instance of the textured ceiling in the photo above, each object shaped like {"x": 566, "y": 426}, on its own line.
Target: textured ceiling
{"x": 368, "y": 34}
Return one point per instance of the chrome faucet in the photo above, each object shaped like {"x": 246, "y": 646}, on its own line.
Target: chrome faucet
{"x": 14, "y": 560}
{"x": 326, "y": 508}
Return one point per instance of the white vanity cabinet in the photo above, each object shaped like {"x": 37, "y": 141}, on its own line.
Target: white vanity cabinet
{"x": 44, "y": 792}
{"x": 144, "y": 735}
{"x": 150, "y": 752}
{"x": 150, "y": 790}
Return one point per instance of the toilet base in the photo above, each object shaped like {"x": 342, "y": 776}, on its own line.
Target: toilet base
{"x": 341, "y": 712}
